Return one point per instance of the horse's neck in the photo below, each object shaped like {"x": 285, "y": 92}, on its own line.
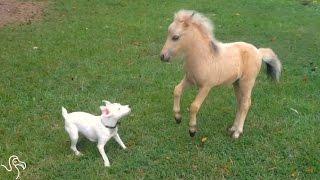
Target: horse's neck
{"x": 199, "y": 54}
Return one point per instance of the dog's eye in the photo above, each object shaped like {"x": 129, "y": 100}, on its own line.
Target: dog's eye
{"x": 175, "y": 38}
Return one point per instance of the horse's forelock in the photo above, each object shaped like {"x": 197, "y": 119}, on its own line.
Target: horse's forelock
{"x": 202, "y": 22}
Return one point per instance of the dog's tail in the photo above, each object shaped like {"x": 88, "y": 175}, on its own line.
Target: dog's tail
{"x": 64, "y": 113}
{"x": 272, "y": 61}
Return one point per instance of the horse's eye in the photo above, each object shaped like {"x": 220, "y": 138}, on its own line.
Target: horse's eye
{"x": 175, "y": 38}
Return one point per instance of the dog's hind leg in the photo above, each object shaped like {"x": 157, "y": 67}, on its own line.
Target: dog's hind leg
{"x": 74, "y": 136}
{"x": 103, "y": 153}
{"x": 119, "y": 141}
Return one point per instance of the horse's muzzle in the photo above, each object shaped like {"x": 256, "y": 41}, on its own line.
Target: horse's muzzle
{"x": 164, "y": 58}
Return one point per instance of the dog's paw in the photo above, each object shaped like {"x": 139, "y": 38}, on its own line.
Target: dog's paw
{"x": 78, "y": 153}
{"x": 106, "y": 164}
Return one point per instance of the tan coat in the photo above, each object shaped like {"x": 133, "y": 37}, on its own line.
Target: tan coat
{"x": 210, "y": 63}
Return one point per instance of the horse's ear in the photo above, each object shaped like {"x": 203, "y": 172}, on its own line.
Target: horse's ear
{"x": 187, "y": 20}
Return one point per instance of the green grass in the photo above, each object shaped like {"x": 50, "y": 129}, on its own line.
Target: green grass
{"x": 94, "y": 50}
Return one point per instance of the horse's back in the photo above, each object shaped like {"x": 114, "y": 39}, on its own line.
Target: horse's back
{"x": 240, "y": 47}
{"x": 247, "y": 55}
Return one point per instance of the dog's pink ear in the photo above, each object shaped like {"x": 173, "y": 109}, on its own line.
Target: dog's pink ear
{"x": 104, "y": 110}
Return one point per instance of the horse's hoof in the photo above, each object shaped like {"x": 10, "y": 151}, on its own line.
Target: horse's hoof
{"x": 178, "y": 120}
{"x": 192, "y": 134}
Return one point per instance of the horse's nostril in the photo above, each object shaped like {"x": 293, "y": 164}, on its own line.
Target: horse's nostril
{"x": 162, "y": 56}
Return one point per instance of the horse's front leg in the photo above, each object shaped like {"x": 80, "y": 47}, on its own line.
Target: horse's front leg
{"x": 194, "y": 108}
{"x": 178, "y": 90}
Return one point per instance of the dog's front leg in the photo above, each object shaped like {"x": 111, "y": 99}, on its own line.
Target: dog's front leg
{"x": 119, "y": 141}
{"x": 103, "y": 154}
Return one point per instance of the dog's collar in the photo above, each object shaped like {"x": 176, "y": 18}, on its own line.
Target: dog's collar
{"x": 111, "y": 127}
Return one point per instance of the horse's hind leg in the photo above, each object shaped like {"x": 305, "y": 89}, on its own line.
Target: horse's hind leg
{"x": 238, "y": 97}
{"x": 194, "y": 108}
{"x": 243, "y": 89}
{"x": 178, "y": 90}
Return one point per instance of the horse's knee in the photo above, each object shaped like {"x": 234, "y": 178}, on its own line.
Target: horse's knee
{"x": 194, "y": 108}
{"x": 177, "y": 91}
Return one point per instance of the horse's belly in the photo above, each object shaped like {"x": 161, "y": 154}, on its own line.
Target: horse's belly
{"x": 225, "y": 73}
{"x": 229, "y": 67}
{"x": 229, "y": 79}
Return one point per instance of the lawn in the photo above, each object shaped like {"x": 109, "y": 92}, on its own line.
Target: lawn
{"x": 83, "y": 51}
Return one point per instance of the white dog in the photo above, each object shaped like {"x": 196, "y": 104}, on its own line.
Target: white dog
{"x": 96, "y": 128}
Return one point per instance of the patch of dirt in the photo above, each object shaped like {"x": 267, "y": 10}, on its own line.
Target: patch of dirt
{"x": 15, "y": 12}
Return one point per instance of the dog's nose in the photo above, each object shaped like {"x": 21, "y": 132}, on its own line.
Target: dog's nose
{"x": 162, "y": 57}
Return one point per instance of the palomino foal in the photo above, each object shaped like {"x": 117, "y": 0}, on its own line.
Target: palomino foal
{"x": 210, "y": 63}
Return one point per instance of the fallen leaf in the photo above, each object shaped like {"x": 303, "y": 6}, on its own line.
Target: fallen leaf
{"x": 141, "y": 171}
{"x": 294, "y": 110}
{"x": 294, "y": 174}
{"x": 310, "y": 170}
{"x": 136, "y": 43}
{"x": 305, "y": 78}
{"x": 194, "y": 167}
{"x": 204, "y": 139}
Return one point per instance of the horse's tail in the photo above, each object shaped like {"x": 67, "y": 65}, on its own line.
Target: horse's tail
{"x": 272, "y": 61}
{"x": 64, "y": 113}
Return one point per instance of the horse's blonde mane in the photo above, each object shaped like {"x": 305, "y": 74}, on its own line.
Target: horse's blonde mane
{"x": 198, "y": 19}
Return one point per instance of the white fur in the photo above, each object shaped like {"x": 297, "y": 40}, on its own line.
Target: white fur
{"x": 94, "y": 127}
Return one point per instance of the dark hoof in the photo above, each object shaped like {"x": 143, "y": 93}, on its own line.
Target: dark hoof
{"x": 178, "y": 120}
{"x": 192, "y": 134}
